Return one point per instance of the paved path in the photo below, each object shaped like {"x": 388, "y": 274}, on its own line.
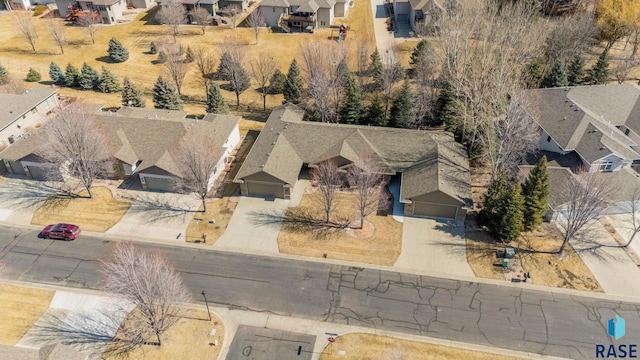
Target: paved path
{"x": 521, "y": 317}
{"x": 386, "y": 40}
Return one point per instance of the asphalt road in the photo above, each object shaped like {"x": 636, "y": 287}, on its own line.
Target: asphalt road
{"x": 501, "y": 316}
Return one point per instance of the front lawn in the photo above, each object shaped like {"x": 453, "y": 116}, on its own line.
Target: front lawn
{"x": 21, "y": 308}
{"x": 218, "y": 210}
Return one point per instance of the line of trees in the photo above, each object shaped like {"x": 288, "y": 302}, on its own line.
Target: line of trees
{"x": 87, "y": 78}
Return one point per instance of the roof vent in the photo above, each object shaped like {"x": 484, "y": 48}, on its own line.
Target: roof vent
{"x": 261, "y": 166}
{"x": 603, "y": 148}
{"x": 564, "y": 118}
{"x": 268, "y": 154}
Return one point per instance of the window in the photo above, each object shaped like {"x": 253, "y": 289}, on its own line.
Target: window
{"x": 605, "y": 166}
{"x": 627, "y": 132}
{"x": 322, "y": 23}
{"x": 548, "y": 138}
{"x": 274, "y": 9}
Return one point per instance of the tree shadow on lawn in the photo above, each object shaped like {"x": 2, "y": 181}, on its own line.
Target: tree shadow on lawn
{"x": 32, "y": 195}
{"x": 155, "y": 207}
{"x": 299, "y": 221}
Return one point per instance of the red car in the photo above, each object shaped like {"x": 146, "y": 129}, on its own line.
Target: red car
{"x": 64, "y": 232}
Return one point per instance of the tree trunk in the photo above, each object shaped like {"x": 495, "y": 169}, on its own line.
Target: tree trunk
{"x": 204, "y": 205}
{"x": 264, "y": 102}
{"x": 564, "y": 244}
{"x": 89, "y": 191}
{"x": 608, "y": 47}
{"x": 159, "y": 338}
{"x": 62, "y": 49}
{"x": 237, "y": 99}
{"x": 361, "y": 222}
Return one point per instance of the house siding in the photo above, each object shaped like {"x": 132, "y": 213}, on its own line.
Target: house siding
{"x": 340, "y": 9}
{"x": 271, "y": 14}
{"x": 28, "y": 121}
{"x": 617, "y": 163}
{"x": 547, "y": 143}
{"x": 324, "y": 17}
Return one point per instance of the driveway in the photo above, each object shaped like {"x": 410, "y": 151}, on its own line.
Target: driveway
{"x": 435, "y": 246}
{"x": 386, "y": 40}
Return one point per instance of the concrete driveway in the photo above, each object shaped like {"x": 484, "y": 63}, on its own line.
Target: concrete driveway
{"x": 435, "y": 246}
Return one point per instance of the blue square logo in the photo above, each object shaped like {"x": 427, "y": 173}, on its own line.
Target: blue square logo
{"x": 616, "y": 327}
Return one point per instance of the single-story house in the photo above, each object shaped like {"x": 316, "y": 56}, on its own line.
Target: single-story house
{"x": 300, "y": 15}
{"x": 433, "y": 168}
{"x": 600, "y": 123}
{"x": 143, "y": 144}
{"x": 23, "y": 112}
{"x": 425, "y": 14}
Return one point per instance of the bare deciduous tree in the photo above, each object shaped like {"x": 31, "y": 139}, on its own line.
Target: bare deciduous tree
{"x": 624, "y": 68}
{"x": 257, "y": 22}
{"x": 172, "y": 13}
{"x": 262, "y": 70}
{"x": 325, "y": 176}
{"x": 633, "y": 206}
{"x": 571, "y": 36}
{"x": 176, "y": 66}
{"x": 27, "y": 27}
{"x": 198, "y": 158}
{"x": 366, "y": 176}
{"x": 205, "y": 64}
{"x": 233, "y": 70}
{"x": 363, "y": 50}
{"x": 91, "y": 25}
{"x": 13, "y": 86}
{"x": 201, "y": 17}
{"x": 77, "y": 143}
{"x": 58, "y": 33}
{"x": 583, "y": 198}
{"x": 393, "y": 72}
{"x": 150, "y": 283}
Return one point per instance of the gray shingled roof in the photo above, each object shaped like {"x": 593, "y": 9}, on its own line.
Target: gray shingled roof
{"x": 14, "y": 105}
{"x": 433, "y": 159}
{"x": 275, "y": 3}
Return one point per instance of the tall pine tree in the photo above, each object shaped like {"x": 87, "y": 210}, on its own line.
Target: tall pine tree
{"x": 71, "y": 75}
{"x": 576, "y": 71}
{"x": 422, "y": 58}
{"x": 56, "y": 74}
{"x": 402, "y": 112}
{"x": 535, "y": 191}
{"x": 216, "y": 104}
{"x": 502, "y": 211}
{"x": 165, "y": 95}
{"x": 116, "y": 51}
{"x": 377, "y": 70}
{"x": 556, "y": 77}
{"x": 292, "y": 89}
{"x": 448, "y": 111}
{"x": 131, "y": 95}
{"x": 600, "y": 71}
{"x": 375, "y": 114}
{"x": 352, "y": 109}
{"x": 276, "y": 84}
{"x": 108, "y": 81}
{"x": 89, "y": 77}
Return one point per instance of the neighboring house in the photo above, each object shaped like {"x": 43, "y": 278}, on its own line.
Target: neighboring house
{"x": 601, "y": 124}
{"x": 110, "y": 10}
{"x": 425, "y": 15}
{"x": 16, "y": 4}
{"x": 23, "y": 112}
{"x": 143, "y": 142}
{"x": 240, "y": 4}
{"x": 299, "y": 15}
{"x": 189, "y": 5}
{"x": 433, "y": 168}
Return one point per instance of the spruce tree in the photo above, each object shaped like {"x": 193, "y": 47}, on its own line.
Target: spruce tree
{"x": 576, "y": 71}
{"x": 447, "y": 110}
{"x": 108, "y": 81}
{"x": 535, "y": 191}
{"x": 162, "y": 57}
{"x": 131, "y": 96}
{"x": 33, "y": 75}
{"x": 352, "y": 109}
{"x": 402, "y": 112}
{"x": 216, "y": 104}
{"x": 89, "y": 77}
{"x": 512, "y": 219}
{"x": 487, "y": 216}
{"x": 276, "y": 84}
{"x": 4, "y": 75}
{"x": 534, "y": 75}
{"x": 422, "y": 58}
{"x": 225, "y": 63}
{"x": 600, "y": 72}
{"x": 375, "y": 114}
{"x": 377, "y": 70}
{"x": 71, "y": 75}
{"x": 240, "y": 82}
{"x": 56, "y": 74}
{"x": 153, "y": 49}
{"x": 117, "y": 52}
{"x": 190, "y": 55}
{"x": 292, "y": 89}
{"x": 556, "y": 77}
{"x": 165, "y": 95}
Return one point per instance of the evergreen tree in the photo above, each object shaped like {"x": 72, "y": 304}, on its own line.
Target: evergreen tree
{"x": 556, "y": 77}
{"x": 576, "y": 71}
{"x": 89, "y": 77}
{"x": 535, "y": 191}
{"x": 447, "y": 110}
{"x": 56, "y": 74}
{"x": 600, "y": 72}
{"x": 33, "y": 75}
{"x": 153, "y": 49}
{"x": 108, "y": 81}
{"x": 487, "y": 216}
{"x": 377, "y": 70}
{"x": 71, "y": 76}
{"x": 162, "y": 57}
{"x": 117, "y": 52}
{"x": 190, "y": 55}
{"x": 276, "y": 84}
{"x": 502, "y": 211}
{"x": 216, "y": 104}
{"x": 402, "y": 112}
{"x": 292, "y": 89}
{"x": 4, "y": 75}
{"x": 131, "y": 96}
{"x": 225, "y": 61}
{"x": 165, "y": 95}
{"x": 534, "y": 74}
{"x": 422, "y": 58}
{"x": 352, "y": 109}
{"x": 375, "y": 114}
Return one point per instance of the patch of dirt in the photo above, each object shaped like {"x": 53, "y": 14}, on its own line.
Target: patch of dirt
{"x": 21, "y": 308}
{"x": 370, "y": 346}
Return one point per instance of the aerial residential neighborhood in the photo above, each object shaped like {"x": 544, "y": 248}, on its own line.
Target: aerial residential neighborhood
{"x": 319, "y": 179}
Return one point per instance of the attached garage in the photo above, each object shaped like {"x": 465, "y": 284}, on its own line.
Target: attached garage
{"x": 40, "y": 173}
{"x": 434, "y": 210}
{"x": 158, "y": 183}
{"x": 16, "y": 167}
{"x": 265, "y": 189}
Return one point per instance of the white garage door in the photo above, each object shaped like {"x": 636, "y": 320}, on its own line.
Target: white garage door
{"x": 160, "y": 184}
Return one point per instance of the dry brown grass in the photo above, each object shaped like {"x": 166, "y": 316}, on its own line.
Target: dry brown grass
{"x": 368, "y": 346}
{"x": 383, "y": 248}
{"x": 189, "y": 338}
{"x": 220, "y": 210}
{"x": 534, "y": 251}
{"x": 360, "y": 22}
{"x": 21, "y": 308}
{"x": 96, "y": 214}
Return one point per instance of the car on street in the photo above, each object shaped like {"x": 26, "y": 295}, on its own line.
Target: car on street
{"x": 64, "y": 232}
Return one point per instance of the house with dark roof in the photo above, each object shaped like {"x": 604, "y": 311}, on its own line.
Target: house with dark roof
{"x": 600, "y": 123}
{"x": 22, "y": 112}
{"x": 425, "y": 14}
{"x": 302, "y": 15}
{"x": 143, "y": 143}
{"x": 433, "y": 168}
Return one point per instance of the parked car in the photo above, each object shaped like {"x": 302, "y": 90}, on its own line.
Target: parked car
{"x": 64, "y": 232}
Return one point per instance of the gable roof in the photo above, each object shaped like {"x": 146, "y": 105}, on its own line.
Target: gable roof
{"x": 14, "y": 106}
{"x": 430, "y": 160}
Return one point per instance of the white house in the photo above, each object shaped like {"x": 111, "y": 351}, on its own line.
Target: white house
{"x": 24, "y": 112}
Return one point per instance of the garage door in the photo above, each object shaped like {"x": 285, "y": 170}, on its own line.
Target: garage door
{"x": 265, "y": 189}
{"x": 44, "y": 173}
{"x": 161, "y": 184}
{"x": 17, "y": 168}
{"x": 435, "y": 210}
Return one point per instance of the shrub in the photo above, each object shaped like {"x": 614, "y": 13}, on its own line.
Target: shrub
{"x": 39, "y": 10}
{"x": 153, "y": 49}
{"x": 33, "y": 75}
{"x": 117, "y": 52}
